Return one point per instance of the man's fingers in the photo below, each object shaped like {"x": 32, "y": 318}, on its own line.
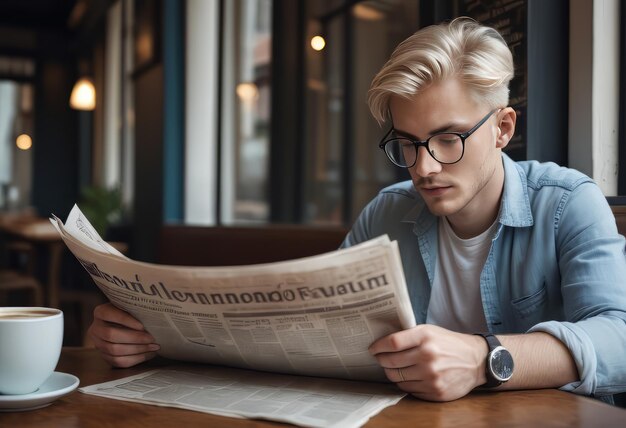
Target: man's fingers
{"x": 120, "y": 338}
{"x": 404, "y": 379}
{"x": 408, "y": 379}
{"x": 395, "y": 360}
{"x": 124, "y": 355}
{"x": 114, "y": 334}
{"x": 128, "y": 360}
{"x": 110, "y": 313}
{"x": 121, "y": 350}
{"x": 399, "y": 341}
{"x": 399, "y": 374}
{"x": 409, "y": 373}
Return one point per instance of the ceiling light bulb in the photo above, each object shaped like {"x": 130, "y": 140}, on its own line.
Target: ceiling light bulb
{"x": 247, "y": 91}
{"x": 83, "y": 95}
{"x": 24, "y": 142}
{"x": 318, "y": 43}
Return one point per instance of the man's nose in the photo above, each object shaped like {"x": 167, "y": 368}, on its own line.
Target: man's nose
{"x": 425, "y": 164}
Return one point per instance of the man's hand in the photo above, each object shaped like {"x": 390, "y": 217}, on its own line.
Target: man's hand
{"x": 120, "y": 338}
{"x": 432, "y": 363}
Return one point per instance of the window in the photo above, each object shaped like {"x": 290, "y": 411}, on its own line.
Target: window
{"x": 227, "y": 111}
{"x": 245, "y": 110}
{"x": 16, "y": 144}
{"x": 344, "y": 168}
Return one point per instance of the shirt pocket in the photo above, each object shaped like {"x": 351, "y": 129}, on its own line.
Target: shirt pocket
{"x": 530, "y": 306}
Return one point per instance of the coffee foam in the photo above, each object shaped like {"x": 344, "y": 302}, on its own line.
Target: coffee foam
{"x": 26, "y": 314}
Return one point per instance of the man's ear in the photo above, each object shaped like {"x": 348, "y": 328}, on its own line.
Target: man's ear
{"x": 506, "y": 126}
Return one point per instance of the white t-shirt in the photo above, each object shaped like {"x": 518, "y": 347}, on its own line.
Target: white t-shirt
{"x": 455, "y": 301}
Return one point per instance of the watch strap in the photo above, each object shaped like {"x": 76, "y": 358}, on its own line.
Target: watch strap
{"x": 492, "y": 344}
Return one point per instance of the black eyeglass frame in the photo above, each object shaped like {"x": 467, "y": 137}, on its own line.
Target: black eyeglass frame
{"x": 417, "y": 144}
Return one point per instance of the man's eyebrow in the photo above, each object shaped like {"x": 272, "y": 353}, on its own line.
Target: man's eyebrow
{"x": 448, "y": 127}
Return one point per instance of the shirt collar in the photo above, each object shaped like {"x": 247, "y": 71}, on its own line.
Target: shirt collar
{"x": 515, "y": 206}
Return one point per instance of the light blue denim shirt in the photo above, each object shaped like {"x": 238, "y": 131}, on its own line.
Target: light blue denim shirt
{"x": 556, "y": 264}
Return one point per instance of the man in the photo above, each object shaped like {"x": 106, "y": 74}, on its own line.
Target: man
{"x": 515, "y": 270}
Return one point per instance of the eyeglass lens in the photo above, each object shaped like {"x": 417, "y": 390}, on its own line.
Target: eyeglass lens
{"x": 445, "y": 148}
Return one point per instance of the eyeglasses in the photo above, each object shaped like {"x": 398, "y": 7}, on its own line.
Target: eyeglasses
{"x": 444, "y": 147}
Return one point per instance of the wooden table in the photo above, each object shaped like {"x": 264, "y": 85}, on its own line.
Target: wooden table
{"x": 541, "y": 408}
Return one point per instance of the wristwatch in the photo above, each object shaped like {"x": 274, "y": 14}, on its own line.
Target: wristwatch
{"x": 499, "y": 366}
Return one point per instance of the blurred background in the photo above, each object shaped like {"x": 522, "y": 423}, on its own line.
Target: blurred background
{"x": 252, "y": 112}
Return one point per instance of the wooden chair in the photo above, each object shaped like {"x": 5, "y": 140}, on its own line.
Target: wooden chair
{"x": 21, "y": 279}
{"x": 11, "y": 281}
{"x": 241, "y": 245}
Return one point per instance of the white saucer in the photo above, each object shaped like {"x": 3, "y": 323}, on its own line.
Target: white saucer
{"x": 57, "y": 385}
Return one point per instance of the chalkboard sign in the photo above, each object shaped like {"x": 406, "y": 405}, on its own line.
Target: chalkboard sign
{"x": 509, "y": 17}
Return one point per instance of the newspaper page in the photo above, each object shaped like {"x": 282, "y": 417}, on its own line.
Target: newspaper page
{"x": 305, "y": 401}
{"x": 314, "y": 316}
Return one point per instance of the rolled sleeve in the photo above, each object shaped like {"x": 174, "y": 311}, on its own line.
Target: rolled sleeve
{"x": 582, "y": 350}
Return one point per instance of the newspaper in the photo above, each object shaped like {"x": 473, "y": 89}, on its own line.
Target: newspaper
{"x": 306, "y": 401}
{"x": 314, "y": 316}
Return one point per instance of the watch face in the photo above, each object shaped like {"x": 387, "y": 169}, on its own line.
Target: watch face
{"x": 501, "y": 364}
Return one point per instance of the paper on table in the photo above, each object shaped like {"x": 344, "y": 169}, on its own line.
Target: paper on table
{"x": 304, "y": 401}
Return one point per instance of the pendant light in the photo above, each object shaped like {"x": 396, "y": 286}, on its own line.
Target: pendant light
{"x": 83, "y": 95}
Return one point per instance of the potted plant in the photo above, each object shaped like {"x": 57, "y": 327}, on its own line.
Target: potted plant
{"x": 103, "y": 207}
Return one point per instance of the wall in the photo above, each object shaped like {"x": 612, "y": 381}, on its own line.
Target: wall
{"x": 55, "y": 147}
{"x": 594, "y": 91}
{"x": 148, "y": 206}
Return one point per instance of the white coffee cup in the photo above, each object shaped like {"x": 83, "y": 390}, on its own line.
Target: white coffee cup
{"x": 30, "y": 345}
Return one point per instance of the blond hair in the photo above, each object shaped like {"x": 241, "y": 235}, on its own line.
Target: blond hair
{"x": 462, "y": 48}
